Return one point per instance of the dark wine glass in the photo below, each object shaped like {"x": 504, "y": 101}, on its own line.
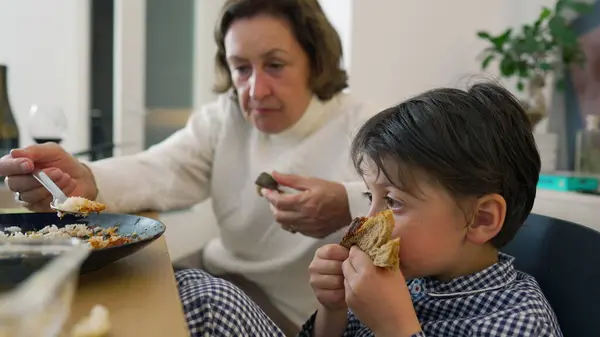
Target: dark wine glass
{"x": 47, "y": 124}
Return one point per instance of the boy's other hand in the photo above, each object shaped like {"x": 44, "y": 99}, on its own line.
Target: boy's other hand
{"x": 379, "y": 297}
{"x": 326, "y": 277}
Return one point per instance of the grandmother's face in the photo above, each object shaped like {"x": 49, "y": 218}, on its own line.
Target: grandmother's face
{"x": 269, "y": 70}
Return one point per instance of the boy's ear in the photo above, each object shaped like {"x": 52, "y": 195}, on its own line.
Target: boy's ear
{"x": 488, "y": 218}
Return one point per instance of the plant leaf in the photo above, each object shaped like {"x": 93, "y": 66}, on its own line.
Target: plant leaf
{"x": 581, "y": 7}
{"x": 544, "y": 14}
{"x": 548, "y": 44}
{"x": 486, "y": 61}
{"x": 500, "y": 40}
{"x": 484, "y": 35}
{"x": 523, "y": 69}
{"x": 507, "y": 67}
{"x": 563, "y": 35}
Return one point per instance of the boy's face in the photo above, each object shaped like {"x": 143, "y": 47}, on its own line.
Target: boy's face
{"x": 431, "y": 226}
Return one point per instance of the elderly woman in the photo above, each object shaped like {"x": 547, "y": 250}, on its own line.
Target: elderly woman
{"x": 281, "y": 109}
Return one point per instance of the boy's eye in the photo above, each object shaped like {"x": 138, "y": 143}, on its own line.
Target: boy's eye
{"x": 393, "y": 204}
{"x": 369, "y": 196}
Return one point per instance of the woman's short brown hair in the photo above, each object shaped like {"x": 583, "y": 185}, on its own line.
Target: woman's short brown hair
{"x": 312, "y": 30}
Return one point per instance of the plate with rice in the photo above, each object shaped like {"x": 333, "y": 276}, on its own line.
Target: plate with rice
{"x": 109, "y": 236}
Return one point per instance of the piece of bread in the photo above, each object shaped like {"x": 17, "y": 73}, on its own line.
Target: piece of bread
{"x": 267, "y": 181}
{"x": 374, "y": 236}
{"x": 97, "y": 324}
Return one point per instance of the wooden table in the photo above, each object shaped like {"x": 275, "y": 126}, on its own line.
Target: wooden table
{"x": 139, "y": 291}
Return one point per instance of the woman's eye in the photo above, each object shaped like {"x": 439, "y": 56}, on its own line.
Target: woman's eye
{"x": 242, "y": 69}
{"x": 392, "y": 203}
{"x": 369, "y": 196}
{"x": 275, "y": 66}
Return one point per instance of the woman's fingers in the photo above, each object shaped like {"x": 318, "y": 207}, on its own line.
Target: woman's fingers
{"x": 33, "y": 192}
{"x": 41, "y": 206}
{"x": 24, "y": 183}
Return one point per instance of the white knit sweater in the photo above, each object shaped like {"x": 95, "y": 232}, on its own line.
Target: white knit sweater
{"x": 218, "y": 155}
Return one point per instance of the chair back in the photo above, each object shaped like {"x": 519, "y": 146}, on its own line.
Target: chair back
{"x": 564, "y": 257}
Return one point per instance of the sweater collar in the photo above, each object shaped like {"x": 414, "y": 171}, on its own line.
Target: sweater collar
{"x": 315, "y": 115}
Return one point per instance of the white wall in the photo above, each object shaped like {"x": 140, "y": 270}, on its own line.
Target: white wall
{"x": 205, "y": 16}
{"x": 575, "y": 207}
{"x": 45, "y": 45}
{"x": 129, "y": 106}
{"x": 400, "y": 48}
{"x": 339, "y": 13}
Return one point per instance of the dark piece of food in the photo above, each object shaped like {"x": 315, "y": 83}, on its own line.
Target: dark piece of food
{"x": 265, "y": 180}
{"x": 373, "y": 236}
{"x": 355, "y": 225}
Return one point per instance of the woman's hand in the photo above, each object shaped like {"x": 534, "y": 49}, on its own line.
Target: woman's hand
{"x": 319, "y": 209}
{"x": 378, "y": 297}
{"x": 68, "y": 173}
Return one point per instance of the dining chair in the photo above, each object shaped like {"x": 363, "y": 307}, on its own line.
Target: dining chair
{"x": 564, "y": 257}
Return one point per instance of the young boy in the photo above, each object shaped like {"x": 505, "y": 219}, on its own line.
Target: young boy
{"x": 459, "y": 170}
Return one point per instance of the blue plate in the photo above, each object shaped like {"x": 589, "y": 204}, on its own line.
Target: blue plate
{"x": 147, "y": 230}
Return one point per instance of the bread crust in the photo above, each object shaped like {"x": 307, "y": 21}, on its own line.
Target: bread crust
{"x": 373, "y": 235}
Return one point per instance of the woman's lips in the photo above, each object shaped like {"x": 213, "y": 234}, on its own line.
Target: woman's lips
{"x": 262, "y": 111}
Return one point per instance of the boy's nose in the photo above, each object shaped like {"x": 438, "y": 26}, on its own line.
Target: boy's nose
{"x": 375, "y": 208}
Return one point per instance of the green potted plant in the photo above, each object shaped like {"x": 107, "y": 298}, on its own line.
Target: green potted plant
{"x": 535, "y": 50}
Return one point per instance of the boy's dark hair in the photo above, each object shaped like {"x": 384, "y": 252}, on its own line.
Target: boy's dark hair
{"x": 473, "y": 143}
{"x": 312, "y": 29}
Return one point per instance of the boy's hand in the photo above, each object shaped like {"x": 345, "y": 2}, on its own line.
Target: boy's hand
{"x": 326, "y": 277}
{"x": 379, "y": 297}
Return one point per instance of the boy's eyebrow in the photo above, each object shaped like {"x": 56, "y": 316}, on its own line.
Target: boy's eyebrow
{"x": 383, "y": 181}
{"x": 412, "y": 191}
{"x": 388, "y": 184}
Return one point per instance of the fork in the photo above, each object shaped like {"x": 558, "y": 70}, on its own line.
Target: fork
{"x": 58, "y": 196}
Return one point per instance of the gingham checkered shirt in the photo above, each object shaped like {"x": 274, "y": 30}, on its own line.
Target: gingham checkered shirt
{"x": 498, "y": 301}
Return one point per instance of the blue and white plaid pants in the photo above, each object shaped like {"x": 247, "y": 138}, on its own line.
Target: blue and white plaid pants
{"x": 215, "y": 307}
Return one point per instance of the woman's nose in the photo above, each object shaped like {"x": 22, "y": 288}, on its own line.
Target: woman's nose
{"x": 258, "y": 86}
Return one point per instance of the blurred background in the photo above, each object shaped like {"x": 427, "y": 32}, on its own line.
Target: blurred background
{"x": 127, "y": 73}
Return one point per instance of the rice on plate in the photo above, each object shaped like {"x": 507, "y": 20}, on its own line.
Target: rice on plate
{"x": 95, "y": 236}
